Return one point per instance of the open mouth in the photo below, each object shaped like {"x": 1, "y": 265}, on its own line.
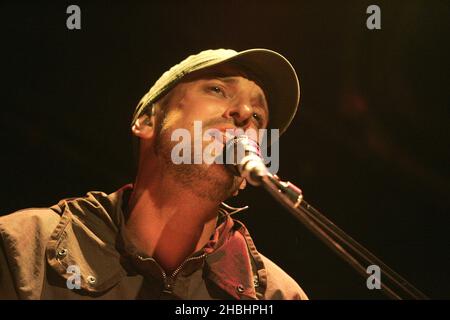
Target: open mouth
{"x": 224, "y": 135}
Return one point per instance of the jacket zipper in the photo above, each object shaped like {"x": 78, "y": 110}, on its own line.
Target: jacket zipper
{"x": 169, "y": 281}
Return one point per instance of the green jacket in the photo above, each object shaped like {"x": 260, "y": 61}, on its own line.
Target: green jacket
{"x": 75, "y": 250}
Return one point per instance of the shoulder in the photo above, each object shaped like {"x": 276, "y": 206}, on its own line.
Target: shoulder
{"x": 25, "y": 233}
{"x": 281, "y": 286}
{"x": 32, "y": 228}
{"x": 95, "y": 208}
{"x": 26, "y": 223}
{"x": 30, "y": 238}
{"x": 23, "y": 238}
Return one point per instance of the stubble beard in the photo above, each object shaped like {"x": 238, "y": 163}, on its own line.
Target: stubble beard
{"x": 213, "y": 182}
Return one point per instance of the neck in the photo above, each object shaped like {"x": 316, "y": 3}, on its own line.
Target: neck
{"x": 166, "y": 221}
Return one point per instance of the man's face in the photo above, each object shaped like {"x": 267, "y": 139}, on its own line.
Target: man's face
{"x": 222, "y": 98}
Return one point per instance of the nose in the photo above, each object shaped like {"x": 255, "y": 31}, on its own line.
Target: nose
{"x": 241, "y": 113}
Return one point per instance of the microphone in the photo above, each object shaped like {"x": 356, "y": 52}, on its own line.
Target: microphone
{"x": 243, "y": 158}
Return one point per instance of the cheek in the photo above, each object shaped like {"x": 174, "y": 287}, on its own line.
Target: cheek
{"x": 173, "y": 119}
{"x": 195, "y": 108}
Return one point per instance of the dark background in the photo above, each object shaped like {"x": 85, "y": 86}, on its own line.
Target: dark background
{"x": 369, "y": 145}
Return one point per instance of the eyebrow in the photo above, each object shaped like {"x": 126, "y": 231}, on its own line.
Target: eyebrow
{"x": 231, "y": 80}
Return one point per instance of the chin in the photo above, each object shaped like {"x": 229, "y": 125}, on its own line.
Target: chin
{"x": 222, "y": 170}
{"x": 221, "y": 177}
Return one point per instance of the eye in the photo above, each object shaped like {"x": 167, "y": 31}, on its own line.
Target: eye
{"x": 217, "y": 90}
{"x": 258, "y": 118}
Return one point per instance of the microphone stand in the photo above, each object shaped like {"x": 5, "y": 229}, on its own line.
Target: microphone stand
{"x": 251, "y": 166}
{"x": 337, "y": 240}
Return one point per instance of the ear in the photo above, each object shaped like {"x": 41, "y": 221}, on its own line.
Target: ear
{"x": 144, "y": 126}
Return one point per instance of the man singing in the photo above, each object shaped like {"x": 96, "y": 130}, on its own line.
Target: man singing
{"x": 169, "y": 235}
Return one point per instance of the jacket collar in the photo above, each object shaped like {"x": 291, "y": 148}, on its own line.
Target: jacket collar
{"x": 88, "y": 235}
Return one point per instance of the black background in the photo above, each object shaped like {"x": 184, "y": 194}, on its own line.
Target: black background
{"x": 369, "y": 145}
